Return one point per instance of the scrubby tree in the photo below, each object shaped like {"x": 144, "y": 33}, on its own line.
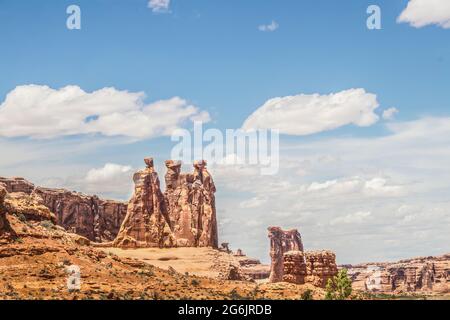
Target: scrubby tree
{"x": 339, "y": 287}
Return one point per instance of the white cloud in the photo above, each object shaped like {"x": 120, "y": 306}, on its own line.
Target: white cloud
{"x": 269, "y": 27}
{"x": 72, "y": 111}
{"x": 353, "y": 218}
{"x": 159, "y": 6}
{"x": 420, "y": 13}
{"x": 373, "y": 187}
{"x": 111, "y": 180}
{"x": 253, "y": 203}
{"x": 309, "y": 114}
{"x": 390, "y": 113}
{"x": 108, "y": 173}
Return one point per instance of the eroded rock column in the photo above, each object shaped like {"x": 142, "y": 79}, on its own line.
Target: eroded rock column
{"x": 146, "y": 223}
{"x": 280, "y": 243}
{"x": 2, "y": 208}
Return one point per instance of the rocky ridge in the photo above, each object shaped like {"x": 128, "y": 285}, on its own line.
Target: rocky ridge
{"x": 97, "y": 219}
{"x": 417, "y": 275}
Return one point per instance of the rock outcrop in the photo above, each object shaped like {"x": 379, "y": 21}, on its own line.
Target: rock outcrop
{"x": 147, "y": 223}
{"x": 3, "y": 221}
{"x": 190, "y": 201}
{"x": 89, "y": 216}
{"x": 28, "y": 207}
{"x": 320, "y": 266}
{"x": 291, "y": 264}
{"x": 423, "y": 275}
{"x": 294, "y": 267}
{"x": 314, "y": 267}
{"x": 280, "y": 243}
{"x": 184, "y": 216}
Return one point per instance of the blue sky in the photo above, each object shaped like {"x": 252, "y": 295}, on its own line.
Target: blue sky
{"x": 212, "y": 55}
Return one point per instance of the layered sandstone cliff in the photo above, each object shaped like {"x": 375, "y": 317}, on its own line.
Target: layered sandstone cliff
{"x": 184, "y": 216}
{"x": 89, "y": 216}
{"x": 423, "y": 275}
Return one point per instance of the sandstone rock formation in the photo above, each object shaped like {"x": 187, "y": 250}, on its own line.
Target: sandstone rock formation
{"x": 89, "y": 216}
{"x": 28, "y": 207}
{"x": 320, "y": 266}
{"x": 280, "y": 243}
{"x": 294, "y": 267}
{"x": 17, "y": 185}
{"x": 424, "y": 275}
{"x": 314, "y": 267}
{"x": 190, "y": 202}
{"x": 184, "y": 216}
{"x": 291, "y": 264}
{"x": 3, "y": 221}
{"x": 147, "y": 223}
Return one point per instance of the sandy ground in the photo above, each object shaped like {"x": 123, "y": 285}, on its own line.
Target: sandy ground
{"x": 200, "y": 262}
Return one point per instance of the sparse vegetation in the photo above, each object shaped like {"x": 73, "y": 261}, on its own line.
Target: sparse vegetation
{"x": 234, "y": 295}
{"x": 340, "y": 287}
{"x": 195, "y": 282}
{"x": 307, "y": 295}
{"x": 18, "y": 240}
{"x": 47, "y": 224}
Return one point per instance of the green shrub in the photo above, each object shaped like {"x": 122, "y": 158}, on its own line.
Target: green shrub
{"x": 307, "y": 295}
{"x": 18, "y": 240}
{"x": 340, "y": 287}
{"x": 195, "y": 282}
{"x": 48, "y": 225}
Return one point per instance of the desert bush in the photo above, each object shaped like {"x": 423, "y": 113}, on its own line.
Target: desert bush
{"x": 339, "y": 287}
{"x": 47, "y": 224}
{"x": 195, "y": 282}
{"x": 307, "y": 295}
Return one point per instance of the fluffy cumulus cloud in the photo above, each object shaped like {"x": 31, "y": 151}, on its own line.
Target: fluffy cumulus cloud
{"x": 420, "y": 13}
{"x": 308, "y": 114}
{"x": 269, "y": 27}
{"x": 110, "y": 173}
{"x": 110, "y": 179}
{"x": 109, "y": 112}
{"x": 159, "y": 6}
